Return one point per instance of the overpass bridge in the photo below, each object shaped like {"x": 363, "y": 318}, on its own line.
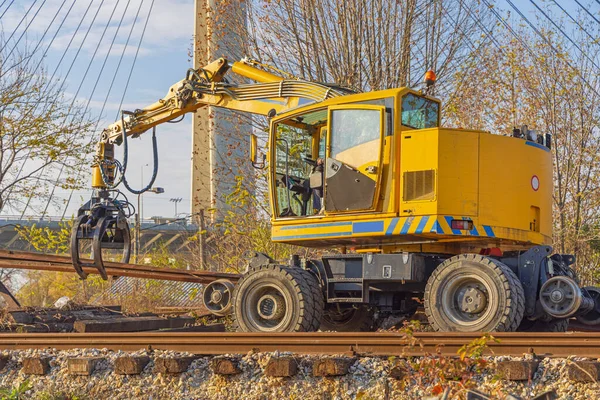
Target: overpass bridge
{"x": 173, "y": 234}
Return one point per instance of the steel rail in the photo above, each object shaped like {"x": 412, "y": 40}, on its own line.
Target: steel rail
{"x": 361, "y": 344}
{"x": 50, "y": 262}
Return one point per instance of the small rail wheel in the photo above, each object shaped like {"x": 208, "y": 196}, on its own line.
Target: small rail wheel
{"x": 274, "y": 298}
{"x": 473, "y": 293}
{"x": 592, "y": 317}
{"x": 351, "y": 319}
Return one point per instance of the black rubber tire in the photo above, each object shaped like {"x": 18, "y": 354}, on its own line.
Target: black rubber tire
{"x": 305, "y": 301}
{"x": 554, "y": 325}
{"x": 358, "y": 319}
{"x": 506, "y": 308}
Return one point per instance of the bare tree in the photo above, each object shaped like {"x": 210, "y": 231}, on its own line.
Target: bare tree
{"x": 41, "y": 132}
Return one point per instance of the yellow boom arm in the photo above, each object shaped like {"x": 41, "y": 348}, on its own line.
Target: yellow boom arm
{"x": 206, "y": 86}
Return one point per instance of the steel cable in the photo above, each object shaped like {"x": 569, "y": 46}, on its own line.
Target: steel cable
{"x": 106, "y": 98}
{"x": 18, "y": 25}
{"x": 11, "y": 3}
{"x": 55, "y": 70}
{"x": 25, "y": 30}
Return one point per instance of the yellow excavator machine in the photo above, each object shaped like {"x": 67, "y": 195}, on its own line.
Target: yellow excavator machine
{"x": 458, "y": 221}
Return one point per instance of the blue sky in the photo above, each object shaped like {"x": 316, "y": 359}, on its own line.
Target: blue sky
{"x": 163, "y": 60}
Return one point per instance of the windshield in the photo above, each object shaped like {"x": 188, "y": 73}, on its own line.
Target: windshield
{"x": 419, "y": 112}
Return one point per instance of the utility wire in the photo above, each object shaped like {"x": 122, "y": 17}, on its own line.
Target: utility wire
{"x": 39, "y": 43}
{"x": 39, "y": 64}
{"x": 62, "y": 85}
{"x": 540, "y": 35}
{"x": 11, "y": 3}
{"x": 565, "y": 34}
{"x": 91, "y": 95}
{"x": 18, "y": 25}
{"x": 26, "y": 28}
{"x": 587, "y": 11}
{"x": 595, "y": 40}
{"x": 107, "y": 97}
{"x": 135, "y": 58}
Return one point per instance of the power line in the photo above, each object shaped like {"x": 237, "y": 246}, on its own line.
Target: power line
{"x": 107, "y": 96}
{"x": 564, "y": 33}
{"x": 79, "y": 89}
{"x": 11, "y": 3}
{"x": 587, "y": 11}
{"x": 533, "y": 27}
{"x": 135, "y": 58}
{"x": 26, "y": 28}
{"x": 18, "y": 25}
{"x": 62, "y": 85}
{"x": 30, "y": 56}
{"x": 55, "y": 70}
{"x": 574, "y": 20}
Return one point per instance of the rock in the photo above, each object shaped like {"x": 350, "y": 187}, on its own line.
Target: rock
{"x": 131, "y": 365}
{"x": 225, "y": 366}
{"x": 517, "y": 370}
{"x": 398, "y": 372}
{"x": 281, "y": 367}
{"x": 36, "y": 365}
{"x": 334, "y": 366}
{"x": 64, "y": 303}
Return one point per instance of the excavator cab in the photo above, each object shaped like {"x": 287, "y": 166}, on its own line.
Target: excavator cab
{"x": 328, "y": 161}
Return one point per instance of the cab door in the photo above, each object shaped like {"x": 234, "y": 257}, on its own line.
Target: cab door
{"x": 353, "y": 158}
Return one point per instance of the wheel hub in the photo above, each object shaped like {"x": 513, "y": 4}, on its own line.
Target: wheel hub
{"x": 216, "y": 296}
{"x": 556, "y": 296}
{"x": 271, "y": 307}
{"x": 560, "y": 297}
{"x": 472, "y": 300}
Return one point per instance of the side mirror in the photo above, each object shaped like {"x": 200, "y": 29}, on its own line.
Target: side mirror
{"x": 254, "y": 157}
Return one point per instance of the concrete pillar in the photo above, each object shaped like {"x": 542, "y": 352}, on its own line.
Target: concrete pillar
{"x": 216, "y": 147}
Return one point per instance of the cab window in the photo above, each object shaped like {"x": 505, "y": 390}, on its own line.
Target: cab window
{"x": 295, "y": 140}
{"x": 419, "y": 112}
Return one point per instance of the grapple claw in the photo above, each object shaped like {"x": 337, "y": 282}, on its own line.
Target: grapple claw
{"x": 104, "y": 224}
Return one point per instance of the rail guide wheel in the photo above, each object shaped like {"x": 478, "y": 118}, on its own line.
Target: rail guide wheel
{"x": 474, "y": 293}
{"x": 96, "y": 232}
{"x": 592, "y": 317}
{"x": 275, "y": 298}
{"x": 217, "y": 297}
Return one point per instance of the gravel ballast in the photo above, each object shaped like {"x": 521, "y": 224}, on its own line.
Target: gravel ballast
{"x": 366, "y": 378}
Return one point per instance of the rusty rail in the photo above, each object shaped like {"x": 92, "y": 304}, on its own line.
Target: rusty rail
{"x": 376, "y": 344}
{"x": 50, "y": 262}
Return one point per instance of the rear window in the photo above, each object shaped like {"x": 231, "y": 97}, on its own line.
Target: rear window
{"x": 419, "y": 112}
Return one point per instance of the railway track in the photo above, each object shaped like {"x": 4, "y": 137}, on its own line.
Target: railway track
{"x": 373, "y": 344}
{"x": 49, "y": 262}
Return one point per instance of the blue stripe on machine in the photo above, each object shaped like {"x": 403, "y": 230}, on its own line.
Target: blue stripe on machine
{"x": 290, "y": 227}
{"x": 534, "y": 144}
{"x": 437, "y": 227}
{"x": 313, "y": 235}
{"x": 392, "y": 226}
{"x": 474, "y": 231}
{"x": 422, "y": 224}
{"x": 406, "y": 226}
{"x": 489, "y": 231}
{"x": 367, "y": 227}
{"x": 449, "y": 221}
